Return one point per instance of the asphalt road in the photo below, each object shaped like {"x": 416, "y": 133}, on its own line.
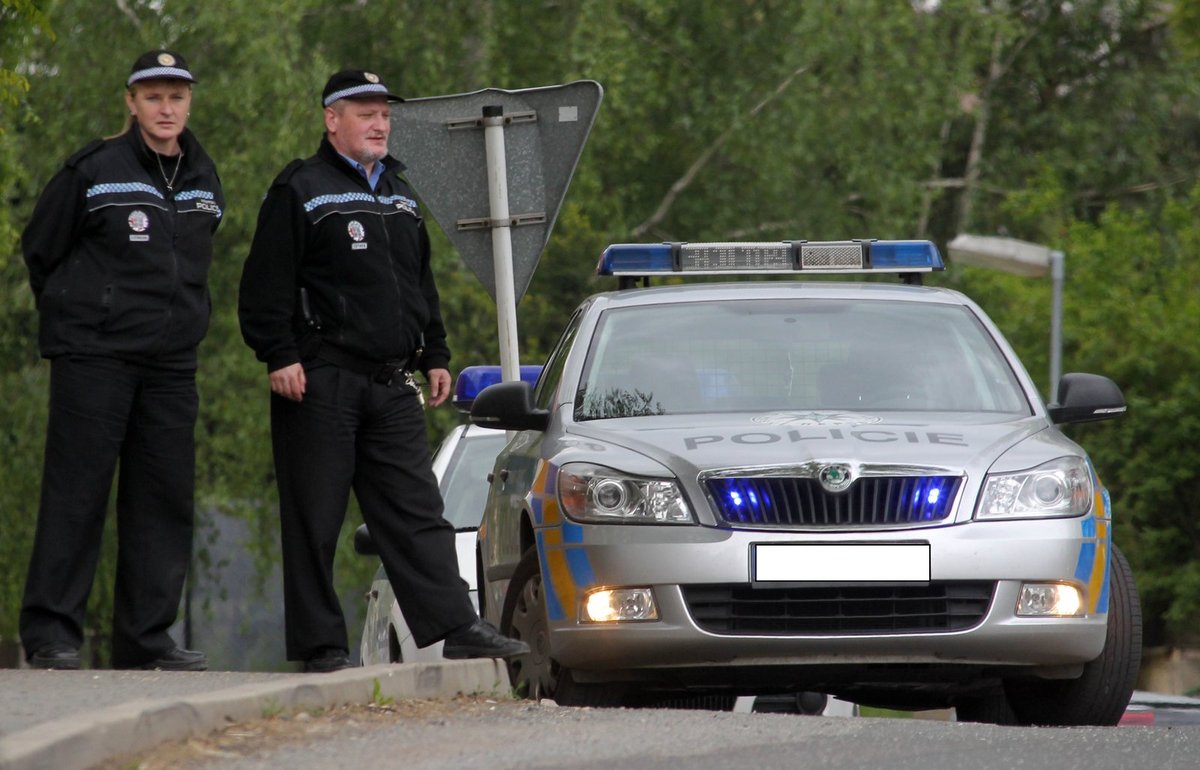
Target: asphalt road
{"x": 406, "y": 716}
{"x": 512, "y": 734}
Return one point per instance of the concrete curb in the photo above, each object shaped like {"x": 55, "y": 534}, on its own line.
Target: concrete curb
{"x": 83, "y": 740}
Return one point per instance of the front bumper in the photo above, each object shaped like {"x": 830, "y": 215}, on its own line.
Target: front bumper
{"x": 577, "y": 558}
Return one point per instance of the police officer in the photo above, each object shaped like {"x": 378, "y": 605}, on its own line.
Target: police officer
{"x": 118, "y": 251}
{"x": 338, "y": 299}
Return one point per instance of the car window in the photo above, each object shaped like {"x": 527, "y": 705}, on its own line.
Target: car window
{"x": 756, "y": 355}
{"x": 547, "y": 384}
{"x": 464, "y": 484}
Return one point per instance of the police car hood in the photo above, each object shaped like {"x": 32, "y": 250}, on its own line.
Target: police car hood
{"x": 691, "y": 444}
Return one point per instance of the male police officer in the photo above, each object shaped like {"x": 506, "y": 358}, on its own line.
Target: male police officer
{"x": 338, "y": 299}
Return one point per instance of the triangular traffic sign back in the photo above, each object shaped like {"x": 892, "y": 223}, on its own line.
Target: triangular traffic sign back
{"x": 440, "y": 140}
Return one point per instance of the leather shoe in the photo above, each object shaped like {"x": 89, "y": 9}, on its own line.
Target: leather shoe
{"x": 327, "y": 660}
{"x": 481, "y": 640}
{"x": 178, "y": 659}
{"x": 62, "y": 657}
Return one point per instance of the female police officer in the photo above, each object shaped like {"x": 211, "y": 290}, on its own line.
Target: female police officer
{"x": 118, "y": 251}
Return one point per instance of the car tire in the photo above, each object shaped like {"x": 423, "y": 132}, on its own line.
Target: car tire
{"x": 990, "y": 708}
{"x": 1101, "y": 694}
{"x": 537, "y": 675}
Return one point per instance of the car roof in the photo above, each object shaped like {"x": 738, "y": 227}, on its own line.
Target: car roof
{"x": 708, "y": 292}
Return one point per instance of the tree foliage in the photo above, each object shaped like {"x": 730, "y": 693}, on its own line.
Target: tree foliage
{"x": 1070, "y": 124}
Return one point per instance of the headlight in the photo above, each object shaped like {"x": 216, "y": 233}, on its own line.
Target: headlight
{"x": 1061, "y": 487}
{"x": 597, "y": 494}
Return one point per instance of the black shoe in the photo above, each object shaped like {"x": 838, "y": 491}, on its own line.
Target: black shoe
{"x": 327, "y": 660}
{"x": 481, "y": 640}
{"x": 58, "y": 656}
{"x": 178, "y": 659}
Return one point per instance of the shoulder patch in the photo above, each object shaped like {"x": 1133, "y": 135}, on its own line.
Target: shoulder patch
{"x": 91, "y": 147}
{"x": 289, "y": 170}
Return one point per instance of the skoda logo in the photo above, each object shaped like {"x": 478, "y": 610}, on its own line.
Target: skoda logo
{"x": 834, "y": 478}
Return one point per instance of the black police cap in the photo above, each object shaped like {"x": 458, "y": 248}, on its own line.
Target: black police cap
{"x": 159, "y": 64}
{"x": 355, "y": 84}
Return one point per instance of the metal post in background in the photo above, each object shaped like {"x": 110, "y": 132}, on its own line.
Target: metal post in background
{"x": 1026, "y": 259}
{"x": 502, "y": 261}
{"x": 1057, "y": 274}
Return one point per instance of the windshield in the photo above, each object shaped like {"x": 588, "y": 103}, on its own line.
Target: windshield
{"x": 759, "y": 355}
{"x": 465, "y": 484}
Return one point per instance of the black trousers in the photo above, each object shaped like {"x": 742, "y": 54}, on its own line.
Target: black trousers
{"x": 103, "y": 410}
{"x": 351, "y": 432}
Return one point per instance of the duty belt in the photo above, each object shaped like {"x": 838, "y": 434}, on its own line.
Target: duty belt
{"x": 393, "y": 374}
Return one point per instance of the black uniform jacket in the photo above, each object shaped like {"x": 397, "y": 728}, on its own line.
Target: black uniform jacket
{"x": 359, "y": 258}
{"x": 119, "y": 265}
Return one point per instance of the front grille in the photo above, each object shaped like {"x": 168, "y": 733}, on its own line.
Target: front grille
{"x": 803, "y": 502}
{"x": 920, "y": 609}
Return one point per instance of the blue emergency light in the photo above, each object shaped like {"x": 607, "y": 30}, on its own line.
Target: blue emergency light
{"x": 740, "y": 258}
{"x": 473, "y": 379}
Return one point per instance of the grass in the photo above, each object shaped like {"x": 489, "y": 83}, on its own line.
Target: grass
{"x": 868, "y": 711}
{"x": 378, "y": 698}
{"x": 271, "y": 708}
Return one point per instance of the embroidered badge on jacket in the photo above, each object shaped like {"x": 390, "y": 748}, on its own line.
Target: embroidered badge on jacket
{"x": 357, "y": 233}
{"x": 138, "y": 223}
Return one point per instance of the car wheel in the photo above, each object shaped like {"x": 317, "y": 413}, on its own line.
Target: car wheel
{"x": 537, "y": 675}
{"x": 1101, "y": 694}
{"x": 990, "y": 708}
{"x": 394, "y": 653}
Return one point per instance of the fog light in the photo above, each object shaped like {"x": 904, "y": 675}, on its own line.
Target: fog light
{"x": 615, "y": 605}
{"x": 1050, "y": 600}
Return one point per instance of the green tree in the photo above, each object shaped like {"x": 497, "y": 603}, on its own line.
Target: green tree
{"x": 1070, "y": 124}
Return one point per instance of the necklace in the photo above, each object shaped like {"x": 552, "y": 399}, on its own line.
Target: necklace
{"x": 178, "y": 162}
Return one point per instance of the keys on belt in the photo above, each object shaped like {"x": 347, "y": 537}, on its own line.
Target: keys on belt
{"x": 395, "y": 376}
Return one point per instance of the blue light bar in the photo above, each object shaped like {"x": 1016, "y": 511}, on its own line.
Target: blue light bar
{"x": 474, "y": 379}
{"x": 622, "y": 258}
{"x": 743, "y": 258}
{"x": 898, "y": 255}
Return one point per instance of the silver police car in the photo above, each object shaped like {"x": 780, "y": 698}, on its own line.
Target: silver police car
{"x": 782, "y": 486}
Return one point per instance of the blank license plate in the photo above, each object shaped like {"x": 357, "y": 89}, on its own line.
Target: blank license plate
{"x": 907, "y": 562}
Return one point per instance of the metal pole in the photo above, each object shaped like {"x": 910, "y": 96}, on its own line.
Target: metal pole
{"x": 1057, "y": 272}
{"x": 502, "y": 262}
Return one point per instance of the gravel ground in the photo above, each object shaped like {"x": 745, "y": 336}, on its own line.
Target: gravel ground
{"x": 254, "y": 742}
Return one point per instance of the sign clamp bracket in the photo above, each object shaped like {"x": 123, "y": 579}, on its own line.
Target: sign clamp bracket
{"x": 516, "y": 220}
{"x": 461, "y": 124}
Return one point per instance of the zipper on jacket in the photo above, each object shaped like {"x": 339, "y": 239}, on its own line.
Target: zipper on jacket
{"x": 106, "y": 305}
{"x": 172, "y": 210}
{"x": 387, "y": 239}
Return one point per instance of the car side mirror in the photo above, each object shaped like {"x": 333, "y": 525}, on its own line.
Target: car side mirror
{"x": 1087, "y": 398}
{"x": 363, "y": 544}
{"x": 508, "y": 406}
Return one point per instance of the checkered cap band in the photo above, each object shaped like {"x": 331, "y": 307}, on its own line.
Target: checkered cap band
{"x": 160, "y": 72}
{"x": 374, "y": 88}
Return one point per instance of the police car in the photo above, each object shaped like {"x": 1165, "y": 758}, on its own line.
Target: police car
{"x": 782, "y": 486}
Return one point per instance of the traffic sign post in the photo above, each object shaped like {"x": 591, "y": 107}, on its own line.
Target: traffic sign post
{"x": 492, "y": 167}
{"x": 502, "y": 262}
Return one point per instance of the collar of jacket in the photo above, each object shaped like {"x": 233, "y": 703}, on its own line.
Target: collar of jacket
{"x": 195, "y": 159}
{"x": 325, "y": 152}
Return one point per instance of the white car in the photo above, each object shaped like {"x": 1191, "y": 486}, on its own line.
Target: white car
{"x": 462, "y": 464}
